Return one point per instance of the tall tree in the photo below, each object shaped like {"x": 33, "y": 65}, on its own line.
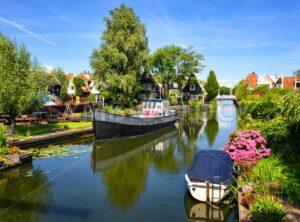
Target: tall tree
{"x": 211, "y": 86}
{"x": 164, "y": 63}
{"x": 123, "y": 54}
{"x": 175, "y": 64}
{"x": 224, "y": 90}
{"x": 78, "y": 83}
{"x": 15, "y": 78}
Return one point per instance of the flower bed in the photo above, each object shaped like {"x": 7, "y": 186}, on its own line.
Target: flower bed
{"x": 246, "y": 149}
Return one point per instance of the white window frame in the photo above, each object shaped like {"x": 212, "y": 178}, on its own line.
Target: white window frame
{"x": 192, "y": 87}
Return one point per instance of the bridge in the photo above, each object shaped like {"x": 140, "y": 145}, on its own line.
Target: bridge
{"x": 226, "y": 97}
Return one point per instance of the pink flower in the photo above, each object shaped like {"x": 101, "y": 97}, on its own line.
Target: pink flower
{"x": 246, "y": 147}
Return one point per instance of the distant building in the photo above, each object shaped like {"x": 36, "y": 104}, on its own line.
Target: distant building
{"x": 89, "y": 87}
{"x": 150, "y": 89}
{"x": 292, "y": 82}
{"x": 192, "y": 88}
{"x": 284, "y": 82}
{"x": 251, "y": 80}
{"x": 267, "y": 80}
{"x": 174, "y": 89}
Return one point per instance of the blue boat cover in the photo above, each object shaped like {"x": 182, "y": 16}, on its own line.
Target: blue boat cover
{"x": 214, "y": 166}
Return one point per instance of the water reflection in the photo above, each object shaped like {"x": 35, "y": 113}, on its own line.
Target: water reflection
{"x": 24, "y": 194}
{"x": 138, "y": 179}
{"x": 190, "y": 126}
{"x": 200, "y": 211}
{"x": 124, "y": 171}
{"x": 211, "y": 128}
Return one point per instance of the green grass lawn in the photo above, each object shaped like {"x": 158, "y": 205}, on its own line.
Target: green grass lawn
{"x": 31, "y": 130}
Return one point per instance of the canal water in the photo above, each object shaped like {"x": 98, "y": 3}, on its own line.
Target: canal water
{"x": 138, "y": 179}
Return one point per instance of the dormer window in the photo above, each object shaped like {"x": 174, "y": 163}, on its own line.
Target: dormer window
{"x": 192, "y": 87}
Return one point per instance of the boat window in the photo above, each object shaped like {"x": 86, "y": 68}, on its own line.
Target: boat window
{"x": 158, "y": 106}
{"x": 145, "y": 105}
{"x": 153, "y": 105}
{"x": 149, "y": 105}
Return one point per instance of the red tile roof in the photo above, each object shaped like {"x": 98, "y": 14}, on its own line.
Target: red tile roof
{"x": 251, "y": 79}
{"x": 70, "y": 76}
{"x": 85, "y": 76}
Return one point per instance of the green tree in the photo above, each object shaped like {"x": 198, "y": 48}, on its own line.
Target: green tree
{"x": 39, "y": 87}
{"x": 15, "y": 79}
{"x": 175, "y": 64}
{"x": 211, "y": 86}
{"x": 62, "y": 78}
{"x": 224, "y": 90}
{"x": 78, "y": 83}
{"x": 123, "y": 55}
{"x": 164, "y": 63}
{"x": 241, "y": 90}
{"x": 297, "y": 72}
{"x": 189, "y": 64}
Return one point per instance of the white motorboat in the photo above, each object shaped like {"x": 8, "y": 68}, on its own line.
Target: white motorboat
{"x": 210, "y": 176}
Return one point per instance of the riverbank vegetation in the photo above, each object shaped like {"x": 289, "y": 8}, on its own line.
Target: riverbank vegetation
{"x": 23, "y": 131}
{"x": 276, "y": 114}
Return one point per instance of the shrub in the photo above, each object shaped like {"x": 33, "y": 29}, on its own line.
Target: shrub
{"x": 2, "y": 136}
{"x": 92, "y": 98}
{"x": 290, "y": 106}
{"x": 246, "y": 147}
{"x": 261, "y": 108}
{"x": 282, "y": 135}
{"x": 4, "y": 150}
{"x": 173, "y": 100}
{"x": 195, "y": 105}
{"x": 265, "y": 208}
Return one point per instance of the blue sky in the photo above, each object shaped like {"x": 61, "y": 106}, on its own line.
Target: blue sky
{"x": 235, "y": 37}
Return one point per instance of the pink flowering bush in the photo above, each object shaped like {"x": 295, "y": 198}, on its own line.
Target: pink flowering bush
{"x": 246, "y": 147}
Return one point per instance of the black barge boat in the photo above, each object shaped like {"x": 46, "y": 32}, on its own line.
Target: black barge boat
{"x": 155, "y": 115}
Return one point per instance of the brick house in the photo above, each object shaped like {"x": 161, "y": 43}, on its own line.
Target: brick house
{"x": 292, "y": 82}
{"x": 251, "y": 80}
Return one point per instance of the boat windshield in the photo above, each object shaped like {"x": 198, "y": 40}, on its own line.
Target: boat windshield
{"x": 153, "y": 105}
{"x": 150, "y": 105}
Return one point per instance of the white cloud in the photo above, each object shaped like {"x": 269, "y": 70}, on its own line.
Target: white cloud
{"x": 23, "y": 29}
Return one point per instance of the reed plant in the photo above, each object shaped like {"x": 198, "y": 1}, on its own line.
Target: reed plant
{"x": 267, "y": 208}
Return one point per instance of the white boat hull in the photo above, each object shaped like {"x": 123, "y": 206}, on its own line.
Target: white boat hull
{"x": 206, "y": 191}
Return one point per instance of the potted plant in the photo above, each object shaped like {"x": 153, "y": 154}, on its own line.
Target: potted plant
{"x": 13, "y": 155}
{"x": 18, "y": 155}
